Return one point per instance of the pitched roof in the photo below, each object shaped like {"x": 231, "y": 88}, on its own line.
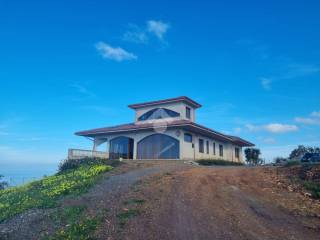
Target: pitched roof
{"x": 185, "y": 124}
{"x": 169, "y": 100}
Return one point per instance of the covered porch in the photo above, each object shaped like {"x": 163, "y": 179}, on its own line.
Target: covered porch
{"x": 149, "y": 145}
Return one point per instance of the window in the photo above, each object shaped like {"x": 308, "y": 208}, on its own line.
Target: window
{"x": 201, "y": 148}
{"x": 221, "y": 150}
{"x": 158, "y": 146}
{"x": 188, "y": 113}
{"x": 121, "y": 147}
{"x": 158, "y": 113}
{"x": 237, "y": 152}
{"x": 187, "y": 137}
{"x": 214, "y": 148}
{"x": 207, "y": 147}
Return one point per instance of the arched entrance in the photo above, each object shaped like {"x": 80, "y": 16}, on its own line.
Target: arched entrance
{"x": 158, "y": 146}
{"x": 121, "y": 147}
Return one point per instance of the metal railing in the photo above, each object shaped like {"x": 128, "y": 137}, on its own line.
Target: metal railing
{"x": 81, "y": 153}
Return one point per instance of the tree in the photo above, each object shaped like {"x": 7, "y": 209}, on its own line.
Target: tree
{"x": 279, "y": 160}
{"x": 301, "y": 150}
{"x": 3, "y": 184}
{"x": 252, "y": 156}
{"x": 298, "y": 152}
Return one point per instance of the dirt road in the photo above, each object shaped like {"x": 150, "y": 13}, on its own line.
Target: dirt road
{"x": 223, "y": 203}
{"x": 179, "y": 201}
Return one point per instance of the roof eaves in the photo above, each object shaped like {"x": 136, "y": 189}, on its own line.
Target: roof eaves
{"x": 169, "y": 100}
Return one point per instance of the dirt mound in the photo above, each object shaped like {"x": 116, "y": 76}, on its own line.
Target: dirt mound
{"x": 223, "y": 203}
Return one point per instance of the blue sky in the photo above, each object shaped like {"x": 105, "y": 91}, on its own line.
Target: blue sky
{"x": 69, "y": 66}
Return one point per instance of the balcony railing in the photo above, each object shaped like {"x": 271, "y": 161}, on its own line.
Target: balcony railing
{"x": 81, "y": 153}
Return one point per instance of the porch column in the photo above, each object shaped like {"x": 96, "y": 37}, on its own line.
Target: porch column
{"x": 94, "y": 148}
{"x": 135, "y": 149}
{"x": 97, "y": 142}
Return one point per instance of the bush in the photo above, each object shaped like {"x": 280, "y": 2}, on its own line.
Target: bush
{"x": 314, "y": 188}
{"x": 45, "y": 193}
{"x": 292, "y": 163}
{"x": 3, "y": 184}
{"x": 209, "y": 162}
{"x": 75, "y": 163}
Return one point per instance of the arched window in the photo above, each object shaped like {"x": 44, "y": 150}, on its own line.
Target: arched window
{"x": 158, "y": 113}
{"x": 158, "y": 146}
{"x": 121, "y": 147}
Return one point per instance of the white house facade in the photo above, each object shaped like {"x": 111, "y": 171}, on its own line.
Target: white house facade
{"x": 166, "y": 129}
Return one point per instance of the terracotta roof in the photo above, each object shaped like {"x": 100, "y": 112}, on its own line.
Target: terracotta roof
{"x": 241, "y": 140}
{"x": 185, "y": 124}
{"x": 169, "y": 100}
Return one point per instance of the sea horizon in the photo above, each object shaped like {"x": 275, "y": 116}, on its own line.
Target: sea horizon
{"x": 21, "y": 173}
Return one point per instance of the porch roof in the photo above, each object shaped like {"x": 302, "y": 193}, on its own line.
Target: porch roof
{"x": 184, "y": 124}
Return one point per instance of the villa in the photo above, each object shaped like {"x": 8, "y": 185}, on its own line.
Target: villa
{"x": 166, "y": 129}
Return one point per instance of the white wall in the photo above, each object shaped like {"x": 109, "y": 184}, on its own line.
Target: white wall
{"x": 186, "y": 150}
{"x": 190, "y": 153}
{"x": 179, "y": 107}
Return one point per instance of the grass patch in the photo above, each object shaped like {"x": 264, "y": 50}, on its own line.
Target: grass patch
{"x": 124, "y": 216}
{"x": 134, "y": 202}
{"x": 45, "y": 193}
{"x": 77, "y": 229}
{"x": 211, "y": 162}
{"x": 74, "y": 224}
{"x": 68, "y": 215}
{"x": 82, "y": 230}
{"x": 314, "y": 188}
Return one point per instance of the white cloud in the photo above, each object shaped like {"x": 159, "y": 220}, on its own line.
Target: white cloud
{"x": 158, "y": 28}
{"x": 266, "y": 83}
{"x": 269, "y": 140}
{"x": 237, "y": 130}
{"x": 31, "y": 139}
{"x": 280, "y": 128}
{"x": 315, "y": 114}
{"x": 253, "y": 128}
{"x": 273, "y": 128}
{"x": 308, "y": 121}
{"x": 295, "y": 70}
{"x": 314, "y": 119}
{"x": 114, "y": 53}
{"x": 135, "y": 35}
{"x": 83, "y": 90}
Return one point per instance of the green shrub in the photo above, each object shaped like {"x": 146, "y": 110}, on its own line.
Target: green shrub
{"x": 313, "y": 187}
{"x": 46, "y": 192}
{"x": 83, "y": 230}
{"x": 74, "y": 224}
{"x": 68, "y": 164}
{"x": 209, "y": 162}
{"x": 124, "y": 216}
{"x": 292, "y": 163}
{"x": 3, "y": 184}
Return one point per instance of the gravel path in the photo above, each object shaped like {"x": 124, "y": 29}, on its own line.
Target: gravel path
{"x": 180, "y": 201}
{"x": 105, "y": 195}
{"x": 223, "y": 203}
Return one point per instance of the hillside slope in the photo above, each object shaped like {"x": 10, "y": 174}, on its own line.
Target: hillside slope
{"x": 177, "y": 201}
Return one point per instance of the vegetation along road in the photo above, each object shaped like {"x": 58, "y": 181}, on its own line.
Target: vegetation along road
{"x": 169, "y": 201}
